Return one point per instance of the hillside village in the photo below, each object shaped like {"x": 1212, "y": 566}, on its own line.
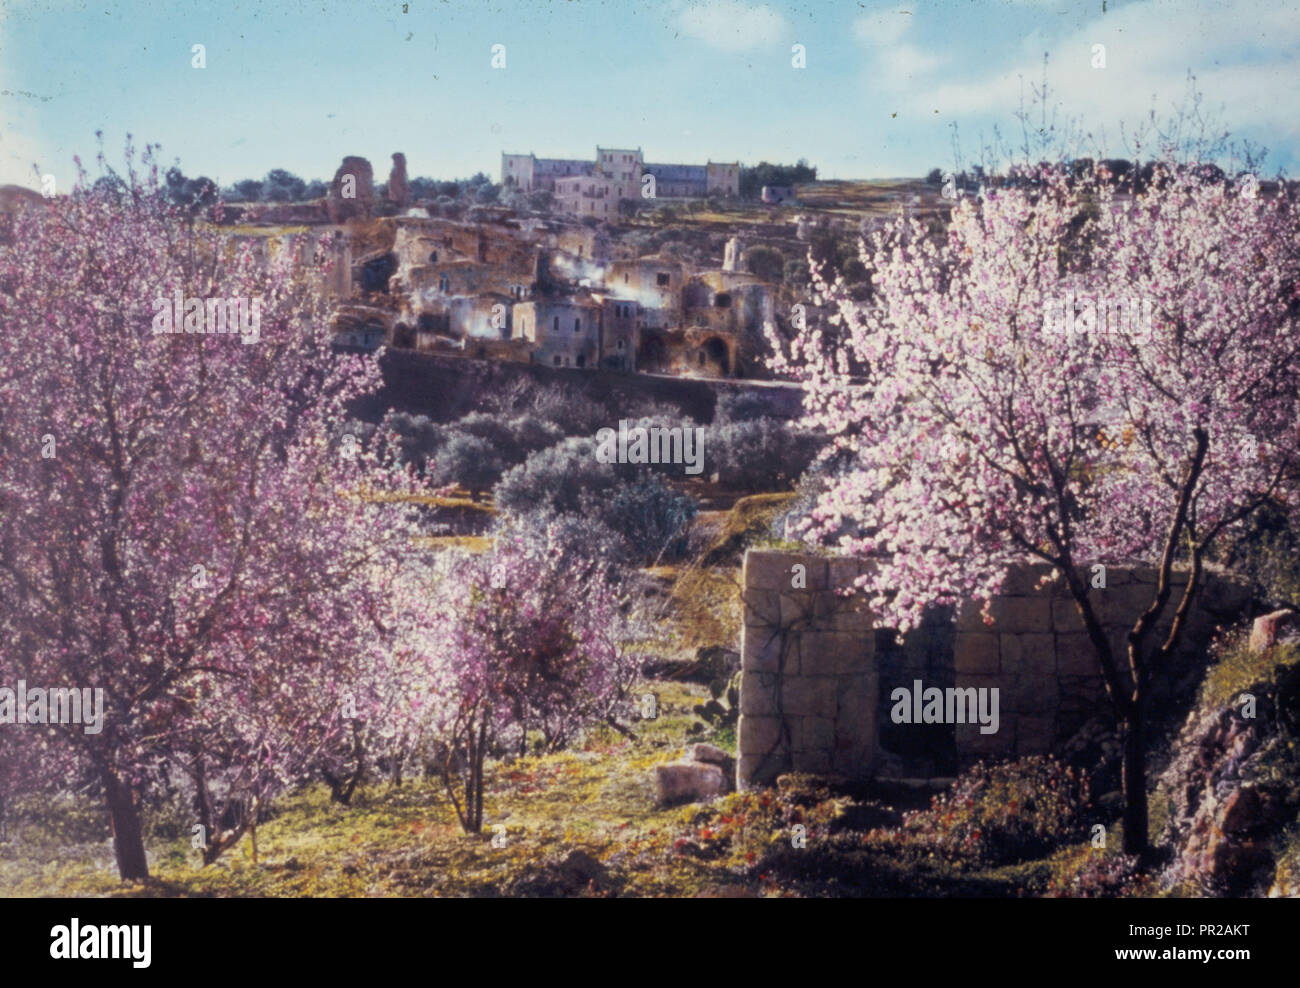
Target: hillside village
{"x": 602, "y": 278}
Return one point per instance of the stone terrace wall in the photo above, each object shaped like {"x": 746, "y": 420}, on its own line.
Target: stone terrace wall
{"x": 816, "y": 679}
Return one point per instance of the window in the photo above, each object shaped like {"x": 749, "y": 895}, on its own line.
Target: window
{"x": 557, "y": 360}
{"x": 620, "y": 344}
{"x": 444, "y": 285}
{"x": 722, "y": 300}
{"x": 577, "y": 325}
{"x": 661, "y": 279}
{"x": 433, "y": 257}
{"x": 555, "y": 324}
{"x": 625, "y": 279}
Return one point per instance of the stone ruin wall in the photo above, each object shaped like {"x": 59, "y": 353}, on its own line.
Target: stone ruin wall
{"x": 816, "y": 678}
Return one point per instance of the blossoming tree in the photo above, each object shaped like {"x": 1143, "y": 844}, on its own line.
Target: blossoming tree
{"x": 977, "y": 432}
{"x": 176, "y": 526}
{"x": 529, "y": 643}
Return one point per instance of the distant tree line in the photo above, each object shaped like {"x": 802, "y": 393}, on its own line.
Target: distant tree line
{"x": 752, "y": 179}
{"x": 280, "y": 185}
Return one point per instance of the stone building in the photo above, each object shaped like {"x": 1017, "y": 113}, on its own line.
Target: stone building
{"x": 563, "y": 332}
{"x": 819, "y": 681}
{"x": 594, "y": 188}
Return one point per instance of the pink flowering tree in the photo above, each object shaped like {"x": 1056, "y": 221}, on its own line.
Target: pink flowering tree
{"x": 177, "y": 525}
{"x": 979, "y": 431}
{"x": 529, "y": 646}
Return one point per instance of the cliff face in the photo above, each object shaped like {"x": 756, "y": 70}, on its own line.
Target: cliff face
{"x": 1232, "y": 788}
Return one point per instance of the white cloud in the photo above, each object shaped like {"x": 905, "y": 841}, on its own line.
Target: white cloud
{"x": 731, "y": 25}
{"x": 1242, "y": 56}
{"x": 907, "y": 61}
{"x": 884, "y": 27}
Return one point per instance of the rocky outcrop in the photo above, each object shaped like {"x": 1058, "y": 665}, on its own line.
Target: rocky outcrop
{"x": 399, "y": 193}
{"x": 352, "y": 192}
{"x": 1231, "y": 786}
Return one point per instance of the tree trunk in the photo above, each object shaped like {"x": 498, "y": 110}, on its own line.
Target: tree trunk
{"x": 128, "y": 837}
{"x": 1135, "y": 786}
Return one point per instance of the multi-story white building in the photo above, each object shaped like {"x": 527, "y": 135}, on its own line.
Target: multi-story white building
{"x": 594, "y": 188}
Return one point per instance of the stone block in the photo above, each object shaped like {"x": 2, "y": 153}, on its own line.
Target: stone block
{"x": 849, "y": 614}
{"x": 1033, "y": 654}
{"x": 800, "y": 609}
{"x": 770, "y": 650}
{"x": 809, "y": 696}
{"x": 758, "y": 694}
{"x": 767, "y": 569}
{"x": 1014, "y": 615}
{"x": 829, "y": 654}
{"x": 969, "y": 618}
{"x": 1065, "y": 615}
{"x": 1075, "y": 656}
{"x": 965, "y": 680}
{"x": 762, "y": 607}
{"x": 976, "y": 654}
{"x": 842, "y": 571}
{"x": 1022, "y": 579}
{"x": 1031, "y": 695}
{"x": 1123, "y": 605}
{"x": 815, "y": 734}
{"x": 760, "y": 735}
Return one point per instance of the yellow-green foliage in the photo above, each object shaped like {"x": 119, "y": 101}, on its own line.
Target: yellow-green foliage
{"x": 748, "y": 523}
{"x": 1238, "y": 668}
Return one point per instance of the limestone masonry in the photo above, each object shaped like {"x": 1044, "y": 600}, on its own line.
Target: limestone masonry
{"x": 816, "y": 678}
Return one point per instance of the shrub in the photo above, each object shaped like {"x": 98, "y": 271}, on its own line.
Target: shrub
{"x": 415, "y": 437}
{"x": 739, "y": 406}
{"x": 556, "y": 478}
{"x": 1000, "y": 814}
{"x": 767, "y": 263}
{"x": 469, "y": 461}
{"x": 1091, "y": 873}
{"x": 763, "y": 454}
{"x": 651, "y": 516}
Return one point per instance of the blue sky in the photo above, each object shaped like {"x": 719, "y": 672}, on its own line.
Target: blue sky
{"x": 298, "y": 85}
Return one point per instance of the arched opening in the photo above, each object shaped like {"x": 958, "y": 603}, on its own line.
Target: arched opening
{"x": 403, "y": 335}
{"x": 714, "y": 357}
{"x": 652, "y": 355}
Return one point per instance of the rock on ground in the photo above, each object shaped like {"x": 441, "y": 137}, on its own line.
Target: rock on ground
{"x": 688, "y": 782}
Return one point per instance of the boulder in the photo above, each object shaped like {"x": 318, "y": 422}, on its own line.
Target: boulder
{"x": 1279, "y": 628}
{"x": 688, "y": 782}
{"x": 711, "y": 754}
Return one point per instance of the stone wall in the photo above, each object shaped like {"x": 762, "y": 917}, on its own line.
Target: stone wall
{"x": 817, "y": 679}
